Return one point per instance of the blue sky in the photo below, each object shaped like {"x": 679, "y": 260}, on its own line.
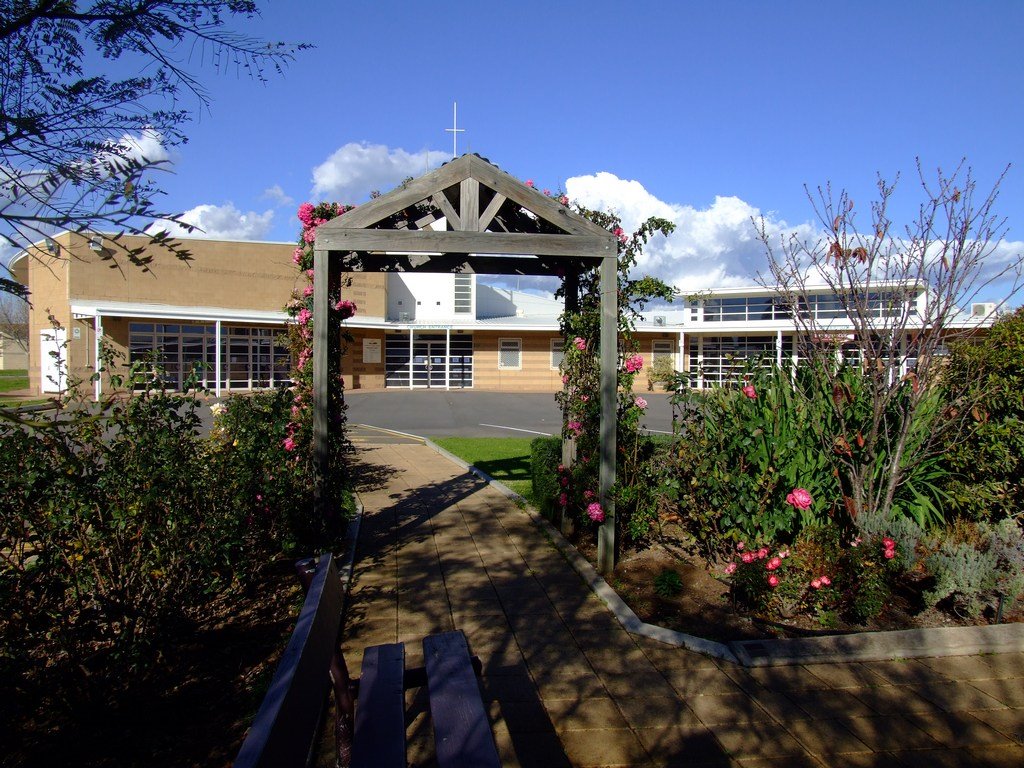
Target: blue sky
{"x": 708, "y": 113}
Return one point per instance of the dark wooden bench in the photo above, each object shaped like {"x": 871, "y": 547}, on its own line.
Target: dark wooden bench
{"x": 286, "y": 729}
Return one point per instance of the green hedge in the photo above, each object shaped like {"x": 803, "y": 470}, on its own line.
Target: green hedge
{"x": 545, "y": 456}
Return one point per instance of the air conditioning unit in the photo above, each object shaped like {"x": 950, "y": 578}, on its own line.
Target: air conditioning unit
{"x": 96, "y": 243}
{"x": 659, "y": 320}
{"x": 983, "y": 308}
{"x": 403, "y": 317}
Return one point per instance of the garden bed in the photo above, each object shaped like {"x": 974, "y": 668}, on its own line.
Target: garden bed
{"x": 703, "y": 607}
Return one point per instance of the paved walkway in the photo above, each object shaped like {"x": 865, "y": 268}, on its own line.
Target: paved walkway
{"x": 567, "y": 686}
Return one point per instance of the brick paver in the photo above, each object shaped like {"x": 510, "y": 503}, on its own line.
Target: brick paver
{"x": 567, "y": 686}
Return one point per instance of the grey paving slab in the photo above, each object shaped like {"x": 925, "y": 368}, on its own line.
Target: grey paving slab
{"x": 568, "y": 685}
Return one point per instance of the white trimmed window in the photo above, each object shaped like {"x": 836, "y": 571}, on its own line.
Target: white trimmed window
{"x": 557, "y": 353}
{"x": 510, "y": 354}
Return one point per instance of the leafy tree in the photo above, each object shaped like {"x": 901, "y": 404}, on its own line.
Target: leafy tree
{"x": 14, "y": 319}
{"x": 75, "y": 143}
{"x": 987, "y": 461}
{"x": 886, "y": 429}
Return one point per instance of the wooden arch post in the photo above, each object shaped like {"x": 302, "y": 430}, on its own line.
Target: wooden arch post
{"x": 609, "y": 421}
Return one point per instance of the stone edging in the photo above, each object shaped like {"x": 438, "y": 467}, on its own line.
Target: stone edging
{"x": 860, "y": 646}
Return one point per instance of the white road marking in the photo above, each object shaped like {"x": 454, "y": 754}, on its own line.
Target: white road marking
{"x": 517, "y": 429}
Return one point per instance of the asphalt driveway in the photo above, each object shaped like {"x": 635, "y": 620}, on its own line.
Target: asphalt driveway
{"x": 461, "y": 413}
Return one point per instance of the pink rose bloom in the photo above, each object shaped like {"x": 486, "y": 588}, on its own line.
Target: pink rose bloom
{"x": 890, "y": 554}
{"x": 816, "y": 583}
{"x": 307, "y": 291}
{"x": 584, "y": 398}
{"x": 297, "y": 255}
{"x": 747, "y": 557}
{"x": 565, "y": 379}
{"x": 641, "y": 403}
{"x": 310, "y": 273}
{"x": 564, "y": 481}
{"x": 799, "y": 498}
{"x": 309, "y": 235}
{"x": 589, "y": 495}
{"x": 580, "y": 343}
{"x": 576, "y": 427}
{"x": 563, "y": 499}
{"x": 595, "y": 513}
{"x": 825, "y": 581}
{"x": 774, "y": 563}
{"x": 529, "y": 183}
{"x": 305, "y": 213}
{"x": 856, "y": 542}
{"x": 561, "y": 467}
{"x": 740, "y": 547}
{"x": 888, "y": 543}
{"x": 634, "y": 363}
{"x": 547, "y": 192}
{"x": 773, "y": 581}
{"x": 784, "y": 553}
{"x": 304, "y": 316}
{"x": 289, "y": 444}
{"x": 762, "y": 553}
{"x": 730, "y": 568}
{"x": 750, "y": 392}
{"x": 347, "y": 309}
{"x": 619, "y": 234}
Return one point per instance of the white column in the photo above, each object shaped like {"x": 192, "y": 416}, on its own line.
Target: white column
{"x": 97, "y": 337}
{"x": 411, "y": 332}
{"x": 447, "y": 359}
{"x": 217, "y": 354}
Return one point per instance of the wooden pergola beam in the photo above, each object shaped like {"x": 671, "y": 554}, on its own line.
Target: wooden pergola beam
{"x": 428, "y": 241}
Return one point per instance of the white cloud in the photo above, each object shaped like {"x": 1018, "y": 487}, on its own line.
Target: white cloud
{"x": 147, "y": 146}
{"x": 355, "y": 170}
{"x": 219, "y": 222}
{"x": 277, "y": 195}
{"x": 711, "y": 247}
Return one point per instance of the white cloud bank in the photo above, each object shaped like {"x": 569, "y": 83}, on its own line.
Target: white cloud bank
{"x": 713, "y": 247}
{"x": 219, "y": 222}
{"x": 355, "y": 170}
{"x": 718, "y": 246}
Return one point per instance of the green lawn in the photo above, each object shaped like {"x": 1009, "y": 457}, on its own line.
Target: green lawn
{"x": 506, "y": 459}
{"x": 11, "y": 380}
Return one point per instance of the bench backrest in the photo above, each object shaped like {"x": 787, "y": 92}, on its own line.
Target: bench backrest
{"x": 285, "y": 728}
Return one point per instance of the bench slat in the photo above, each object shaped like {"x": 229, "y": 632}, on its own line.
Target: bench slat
{"x": 462, "y": 733}
{"x": 380, "y": 712}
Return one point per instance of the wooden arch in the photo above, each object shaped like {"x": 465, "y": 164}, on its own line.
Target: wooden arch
{"x": 467, "y": 216}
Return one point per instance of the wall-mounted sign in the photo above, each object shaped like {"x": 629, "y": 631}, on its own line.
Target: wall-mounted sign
{"x": 371, "y": 350}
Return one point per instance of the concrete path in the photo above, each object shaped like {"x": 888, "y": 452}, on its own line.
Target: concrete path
{"x": 567, "y": 686}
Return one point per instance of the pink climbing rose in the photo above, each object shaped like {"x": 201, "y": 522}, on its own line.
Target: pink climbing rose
{"x": 730, "y": 568}
{"x": 750, "y": 392}
{"x": 304, "y": 316}
{"x": 774, "y": 563}
{"x": 634, "y": 363}
{"x": 799, "y": 498}
{"x": 289, "y": 443}
{"x": 595, "y": 513}
{"x": 641, "y": 403}
{"x": 773, "y": 581}
{"x": 305, "y": 213}
{"x": 580, "y": 344}
{"x": 346, "y": 308}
